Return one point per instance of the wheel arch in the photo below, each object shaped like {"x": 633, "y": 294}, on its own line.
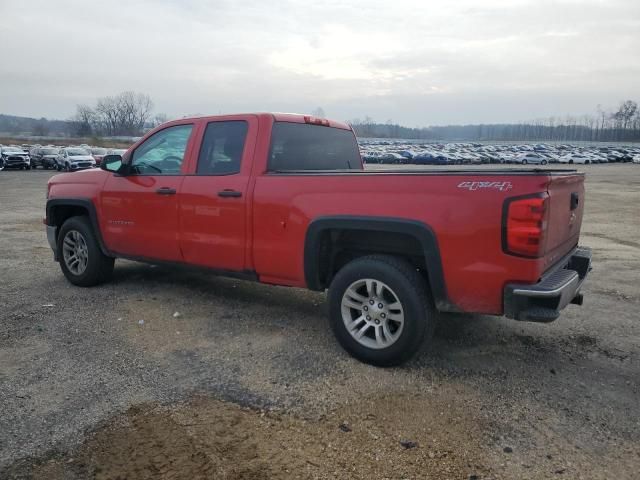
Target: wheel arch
{"x": 319, "y": 253}
{"x": 58, "y": 210}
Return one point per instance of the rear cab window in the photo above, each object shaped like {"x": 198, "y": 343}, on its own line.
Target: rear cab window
{"x": 301, "y": 146}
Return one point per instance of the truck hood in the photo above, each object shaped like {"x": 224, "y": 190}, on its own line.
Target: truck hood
{"x": 92, "y": 175}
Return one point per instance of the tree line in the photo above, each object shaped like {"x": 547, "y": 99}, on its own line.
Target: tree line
{"x": 620, "y": 125}
{"x": 128, "y": 114}
{"x": 131, "y": 114}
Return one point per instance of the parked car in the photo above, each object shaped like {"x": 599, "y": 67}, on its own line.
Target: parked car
{"x": 116, "y": 151}
{"x": 14, "y": 157}
{"x": 578, "y": 158}
{"x": 283, "y": 199}
{"x": 44, "y": 157}
{"x": 534, "y": 158}
{"x": 74, "y": 158}
{"x": 98, "y": 154}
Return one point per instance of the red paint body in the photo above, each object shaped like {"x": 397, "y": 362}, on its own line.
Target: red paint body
{"x": 264, "y": 230}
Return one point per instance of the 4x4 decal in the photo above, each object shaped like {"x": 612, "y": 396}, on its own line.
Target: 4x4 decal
{"x": 501, "y": 186}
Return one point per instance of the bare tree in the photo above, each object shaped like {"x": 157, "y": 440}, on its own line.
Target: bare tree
{"x": 124, "y": 114}
{"x": 83, "y": 120}
{"x": 318, "y": 112}
{"x": 159, "y": 119}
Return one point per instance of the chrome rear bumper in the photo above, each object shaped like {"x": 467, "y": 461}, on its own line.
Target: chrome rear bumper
{"x": 543, "y": 301}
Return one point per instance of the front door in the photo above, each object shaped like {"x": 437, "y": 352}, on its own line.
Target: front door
{"x": 139, "y": 211}
{"x": 213, "y": 205}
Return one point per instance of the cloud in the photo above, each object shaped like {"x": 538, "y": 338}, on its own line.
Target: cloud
{"x": 417, "y": 62}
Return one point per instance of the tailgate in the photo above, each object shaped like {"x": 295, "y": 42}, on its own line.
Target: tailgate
{"x": 566, "y": 204}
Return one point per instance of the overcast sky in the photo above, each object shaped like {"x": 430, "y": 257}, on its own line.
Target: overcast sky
{"x": 415, "y": 62}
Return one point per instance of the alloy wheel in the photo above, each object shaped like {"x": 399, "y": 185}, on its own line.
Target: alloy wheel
{"x": 75, "y": 252}
{"x": 372, "y": 313}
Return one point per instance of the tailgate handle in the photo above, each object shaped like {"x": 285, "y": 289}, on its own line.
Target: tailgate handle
{"x": 575, "y": 200}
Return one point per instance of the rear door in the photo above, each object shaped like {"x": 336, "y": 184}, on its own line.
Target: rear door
{"x": 215, "y": 198}
{"x": 139, "y": 211}
{"x": 566, "y": 206}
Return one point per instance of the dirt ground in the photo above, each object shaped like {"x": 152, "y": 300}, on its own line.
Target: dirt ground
{"x": 247, "y": 382}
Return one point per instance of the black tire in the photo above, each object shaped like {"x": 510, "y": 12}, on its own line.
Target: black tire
{"x": 99, "y": 266}
{"x": 524, "y": 162}
{"x": 411, "y": 291}
{"x": 67, "y": 168}
{"x": 543, "y": 162}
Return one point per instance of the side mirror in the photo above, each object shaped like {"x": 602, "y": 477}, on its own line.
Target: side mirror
{"x": 111, "y": 163}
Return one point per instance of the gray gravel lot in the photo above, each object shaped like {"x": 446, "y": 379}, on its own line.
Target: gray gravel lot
{"x": 564, "y": 397}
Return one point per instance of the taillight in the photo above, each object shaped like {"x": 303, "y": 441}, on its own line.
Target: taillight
{"x": 524, "y": 225}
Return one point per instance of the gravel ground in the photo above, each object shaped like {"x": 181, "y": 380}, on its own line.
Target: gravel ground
{"x": 248, "y": 382}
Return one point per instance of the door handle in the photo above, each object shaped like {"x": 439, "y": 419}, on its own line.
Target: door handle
{"x": 166, "y": 191}
{"x": 229, "y": 193}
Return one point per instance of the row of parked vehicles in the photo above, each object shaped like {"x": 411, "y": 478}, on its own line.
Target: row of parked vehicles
{"x": 30, "y": 157}
{"x": 81, "y": 157}
{"x": 400, "y": 152}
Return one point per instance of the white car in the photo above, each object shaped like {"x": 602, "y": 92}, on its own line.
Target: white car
{"x": 535, "y": 158}
{"x": 71, "y": 159}
{"x": 575, "y": 158}
{"x": 636, "y": 158}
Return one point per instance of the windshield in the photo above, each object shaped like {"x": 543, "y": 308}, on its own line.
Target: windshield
{"x": 76, "y": 151}
{"x": 49, "y": 151}
{"x": 99, "y": 151}
{"x": 12, "y": 149}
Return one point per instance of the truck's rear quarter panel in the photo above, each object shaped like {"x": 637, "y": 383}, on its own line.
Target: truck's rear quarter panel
{"x": 466, "y": 218}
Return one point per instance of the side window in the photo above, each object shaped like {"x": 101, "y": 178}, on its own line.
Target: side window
{"x": 222, "y": 146}
{"x": 163, "y": 152}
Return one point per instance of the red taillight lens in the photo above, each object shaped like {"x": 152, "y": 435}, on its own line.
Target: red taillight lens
{"x": 525, "y": 226}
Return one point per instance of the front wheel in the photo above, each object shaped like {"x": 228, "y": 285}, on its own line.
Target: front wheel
{"x": 380, "y": 310}
{"x": 524, "y": 162}
{"x": 543, "y": 162}
{"x": 81, "y": 259}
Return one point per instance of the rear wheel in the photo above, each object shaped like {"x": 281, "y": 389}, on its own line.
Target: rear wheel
{"x": 81, "y": 259}
{"x": 380, "y": 310}
{"x": 543, "y": 162}
{"x": 524, "y": 162}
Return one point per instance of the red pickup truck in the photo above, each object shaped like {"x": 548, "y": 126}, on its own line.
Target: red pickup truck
{"x": 284, "y": 199}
